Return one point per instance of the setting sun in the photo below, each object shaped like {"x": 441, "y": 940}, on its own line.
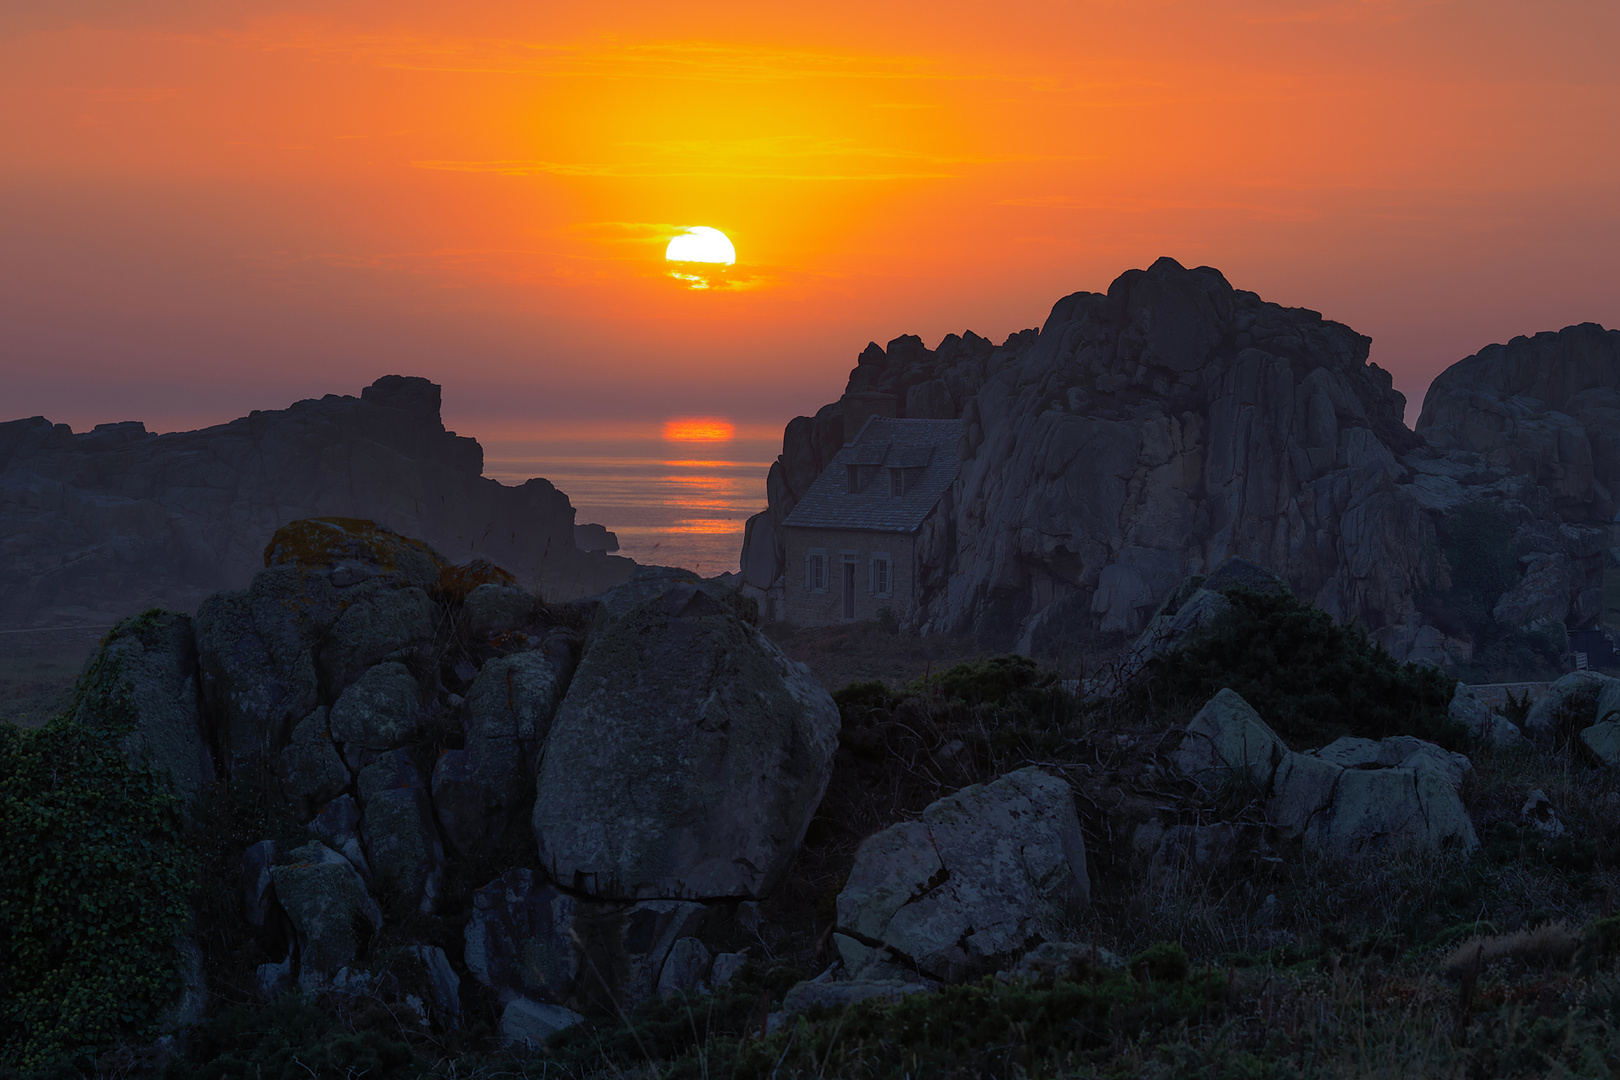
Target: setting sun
{"x": 699, "y": 429}
{"x": 701, "y": 244}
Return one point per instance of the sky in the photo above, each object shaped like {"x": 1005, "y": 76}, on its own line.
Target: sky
{"x": 210, "y": 206}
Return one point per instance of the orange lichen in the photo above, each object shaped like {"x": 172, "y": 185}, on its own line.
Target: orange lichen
{"x": 455, "y": 582}
{"x": 327, "y": 541}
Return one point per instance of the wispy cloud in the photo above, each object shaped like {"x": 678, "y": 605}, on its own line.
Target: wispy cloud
{"x": 773, "y": 158}
{"x": 1345, "y": 11}
{"x": 647, "y": 170}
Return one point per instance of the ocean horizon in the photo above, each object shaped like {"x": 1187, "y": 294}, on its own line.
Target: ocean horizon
{"x": 670, "y": 503}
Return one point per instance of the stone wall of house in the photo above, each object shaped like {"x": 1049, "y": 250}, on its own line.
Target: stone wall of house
{"x": 806, "y": 607}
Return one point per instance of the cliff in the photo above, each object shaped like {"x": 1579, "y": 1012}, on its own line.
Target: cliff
{"x": 1152, "y": 432}
{"x": 96, "y": 525}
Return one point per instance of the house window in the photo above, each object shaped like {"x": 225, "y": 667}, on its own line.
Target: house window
{"x": 815, "y": 570}
{"x": 882, "y": 574}
{"x": 854, "y": 479}
{"x": 897, "y": 482}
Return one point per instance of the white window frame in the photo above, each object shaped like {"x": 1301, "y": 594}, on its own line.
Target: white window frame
{"x": 815, "y": 570}
{"x": 885, "y": 587}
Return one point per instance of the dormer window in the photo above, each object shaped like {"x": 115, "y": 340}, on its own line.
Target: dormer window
{"x": 854, "y": 480}
{"x": 897, "y": 482}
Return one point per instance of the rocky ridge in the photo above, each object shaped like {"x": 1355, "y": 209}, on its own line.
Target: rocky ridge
{"x": 1156, "y": 430}
{"x": 97, "y": 525}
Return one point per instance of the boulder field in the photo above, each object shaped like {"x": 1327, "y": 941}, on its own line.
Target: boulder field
{"x": 1173, "y": 422}
{"x": 561, "y": 810}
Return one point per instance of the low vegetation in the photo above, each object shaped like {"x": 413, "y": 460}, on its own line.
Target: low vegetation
{"x": 1268, "y": 963}
{"x": 95, "y": 888}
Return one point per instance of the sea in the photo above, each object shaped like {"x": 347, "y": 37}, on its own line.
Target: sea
{"x": 671, "y": 503}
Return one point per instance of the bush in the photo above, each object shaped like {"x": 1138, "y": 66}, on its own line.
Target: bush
{"x": 1310, "y": 678}
{"x": 291, "y": 1039}
{"x": 94, "y": 881}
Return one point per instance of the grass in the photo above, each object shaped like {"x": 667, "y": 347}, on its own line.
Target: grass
{"x": 1265, "y": 962}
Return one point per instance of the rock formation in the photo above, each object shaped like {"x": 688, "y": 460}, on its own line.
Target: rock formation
{"x": 417, "y": 717}
{"x": 1351, "y": 798}
{"x": 1156, "y": 430}
{"x": 98, "y": 525}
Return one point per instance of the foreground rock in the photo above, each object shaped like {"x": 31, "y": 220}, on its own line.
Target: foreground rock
{"x": 527, "y": 939}
{"x": 1352, "y": 798}
{"x": 984, "y": 874}
{"x": 146, "y": 677}
{"x": 164, "y": 520}
{"x": 687, "y": 758}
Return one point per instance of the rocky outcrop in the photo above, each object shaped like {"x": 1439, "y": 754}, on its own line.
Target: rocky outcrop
{"x": 983, "y": 875}
{"x": 146, "y": 677}
{"x": 98, "y": 525}
{"x": 688, "y": 755}
{"x": 1152, "y": 432}
{"x": 1352, "y": 798}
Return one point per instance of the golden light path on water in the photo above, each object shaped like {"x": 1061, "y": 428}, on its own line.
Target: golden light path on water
{"x": 668, "y": 505}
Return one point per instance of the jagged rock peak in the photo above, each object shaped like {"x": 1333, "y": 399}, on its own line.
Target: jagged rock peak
{"x": 1152, "y": 431}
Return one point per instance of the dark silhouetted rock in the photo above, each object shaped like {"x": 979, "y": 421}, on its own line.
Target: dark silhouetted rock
{"x": 164, "y": 520}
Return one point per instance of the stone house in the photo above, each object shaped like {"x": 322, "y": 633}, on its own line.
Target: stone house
{"x": 866, "y": 533}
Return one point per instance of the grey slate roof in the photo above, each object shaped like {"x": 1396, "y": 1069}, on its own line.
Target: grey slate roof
{"x": 884, "y": 442}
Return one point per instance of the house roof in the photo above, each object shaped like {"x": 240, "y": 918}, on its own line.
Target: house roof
{"x": 928, "y": 446}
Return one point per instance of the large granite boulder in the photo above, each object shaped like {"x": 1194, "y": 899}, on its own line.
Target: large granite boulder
{"x": 382, "y": 710}
{"x": 1487, "y": 726}
{"x": 1227, "y": 742}
{"x": 527, "y": 939}
{"x": 488, "y": 783}
{"x": 687, "y": 757}
{"x": 326, "y": 901}
{"x": 397, "y": 826}
{"x": 311, "y": 772}
{"x": 1352, "y": 798}
{"x": 169, "y": 519}
{"x": 1570, "y": 704}
{"x": 983, "y": 874}
{"x": 336, "y": 596}
{"x": 145, "y": 677}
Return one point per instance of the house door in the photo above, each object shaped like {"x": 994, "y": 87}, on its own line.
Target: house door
{"x": 849, "y": 590}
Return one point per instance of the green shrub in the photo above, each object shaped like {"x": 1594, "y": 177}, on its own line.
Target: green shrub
{"x": 94, "y": 882}
{"x": 292, "y": 1039}
{"x": 1310, "y": 678}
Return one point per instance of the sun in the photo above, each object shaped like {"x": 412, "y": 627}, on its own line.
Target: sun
{"x": 701, "y": 244}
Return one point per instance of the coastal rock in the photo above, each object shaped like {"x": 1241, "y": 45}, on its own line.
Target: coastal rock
{"x": 401, "y": 841}
{"x": 146, "y": 676}
{"x": 526, "y": 938}
{"x": 1152, "y": 432}
{"x": 1570, "y": 704}
{"x": 530, "y": 1023}
{"x": 494, "y": 608}
{"x": 981, "y": 876}
{"x": 380, "y": 711}
{"x": 170, "y": 519}
{"x": 481, "y": 788}
{"x": 1603, "y": 742}
{"x": 722, "y": 743}
{"x": 1483, "y": 724}
{"x": 1227, "y": 742}
{"x": 325, "y": 899}
{"x": 1352, "y": 798}
{"x": 311, "y": 772}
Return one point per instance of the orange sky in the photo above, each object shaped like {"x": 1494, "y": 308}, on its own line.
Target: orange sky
{"x": 208, "y": 207}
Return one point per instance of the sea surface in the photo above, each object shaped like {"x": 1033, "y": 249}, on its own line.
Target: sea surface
{"x": 670, "y": 503}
